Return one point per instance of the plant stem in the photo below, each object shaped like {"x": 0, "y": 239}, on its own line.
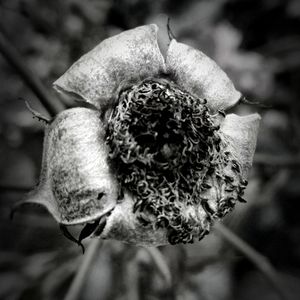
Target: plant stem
{"x": 260, "y": 261}
{"x": 14, "y": 188}
{"x": 12, "y": 56}
{"x": 160, "y": 264}
{"x": 81, "y": 274}
{"x": 280, "y": 161}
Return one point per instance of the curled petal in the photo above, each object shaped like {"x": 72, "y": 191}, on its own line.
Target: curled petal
{"x": 76, "y": 185}
{"x": 200, "y": 75}
{"x": 126, "y": 226}
{"x": 123, "y": 225}
{"x": 240, "y": 133}
{"x": 127, "y": 57}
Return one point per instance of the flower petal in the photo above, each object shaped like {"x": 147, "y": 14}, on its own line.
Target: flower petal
{"x": 76, "y": 185}
{"x": 240, "y": 133}
{"x": 123, "y": 225}
{"x": 200, "y": 75}
{"x": 129, "y": 56}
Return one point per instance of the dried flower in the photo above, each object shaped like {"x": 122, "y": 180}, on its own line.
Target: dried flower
{"x": 163, "y": 161}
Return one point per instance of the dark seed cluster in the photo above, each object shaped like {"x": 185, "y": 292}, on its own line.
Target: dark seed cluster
{"x": 167, "y": 150}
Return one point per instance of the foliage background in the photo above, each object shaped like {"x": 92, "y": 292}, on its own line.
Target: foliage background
{"x": 258, "y": 44}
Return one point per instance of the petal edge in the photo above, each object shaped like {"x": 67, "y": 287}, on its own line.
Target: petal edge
{"x": 200, "y": 75}
{"x": 76, "y": 184}
{"x": 131, "y": 55}
{"x": 240, "y": 133}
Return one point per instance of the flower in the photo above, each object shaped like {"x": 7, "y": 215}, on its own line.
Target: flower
{"x": 157, "y": 160}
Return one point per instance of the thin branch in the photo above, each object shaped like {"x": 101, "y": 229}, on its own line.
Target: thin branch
{"x": 260, "y": 261}
{"x": 36, "y": 114}
{"x": 198, "y": 265}
{"x": 170, "y": 33}
{"x": 160, "y": 264}
{"x": 80, "y": 277}
{"x": 282, "y": 161}
{"x": 14, "y": 188}
{"x": 12, "y": 56}
{"x": 131, "y": 280}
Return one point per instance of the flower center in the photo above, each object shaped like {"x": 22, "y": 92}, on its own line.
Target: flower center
{"x": 167, "y": 151}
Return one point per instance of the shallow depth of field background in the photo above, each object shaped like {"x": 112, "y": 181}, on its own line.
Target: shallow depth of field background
{"x": 258, "y": 44}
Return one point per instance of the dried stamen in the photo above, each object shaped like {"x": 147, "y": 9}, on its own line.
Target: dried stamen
{"x": 167, "y": 151}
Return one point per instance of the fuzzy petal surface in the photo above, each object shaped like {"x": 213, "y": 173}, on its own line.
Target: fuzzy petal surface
{"x": 123, "y": 225}
{"x": 76, "y": 185}
{"x": 130, "y": 56}
{"x": 200, "y": 75}
{"x": 240, "y": 134}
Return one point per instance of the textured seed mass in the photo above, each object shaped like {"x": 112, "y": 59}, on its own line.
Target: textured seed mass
{"x": 168, "y": 152}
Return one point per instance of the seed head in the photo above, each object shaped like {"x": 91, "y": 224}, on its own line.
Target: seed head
{"x": 167, "y": 151}
{"x": 157, "y": 159}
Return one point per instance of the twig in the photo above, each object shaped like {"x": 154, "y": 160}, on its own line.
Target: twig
{"x": 197, "y": 266}
{"x": 160, "y": 264}
{"x": 13, "y": 57}
{"x": 282, "y": 161}
{"x": 244, "y": 100}
{"x": 260, "y": 261}
{"x": 14, "y": 188}
{"x": 170, "y": 33}
{"x": 36, "y": 114}
{"x": 131, "y": 280}
{"x": 79, "y": 279}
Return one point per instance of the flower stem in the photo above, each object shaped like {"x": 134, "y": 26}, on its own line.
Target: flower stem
{"x": 81, "y": 274}
{"x": 260, "y": 261}
{"x": 280, "y": 161}
{"x": 12, "y": 56}
{"x": 160, "y": 264}
{"x": 14, "y": 188}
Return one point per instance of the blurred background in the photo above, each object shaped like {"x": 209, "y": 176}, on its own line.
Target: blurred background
{"x": 258, "y": 44}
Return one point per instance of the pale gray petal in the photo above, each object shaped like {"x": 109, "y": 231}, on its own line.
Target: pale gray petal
{"x": 200, "y": 75}
{"x": 76, "y": 184}
{"x": 130, "y": 56}
{"x": 240, "y": 134}
{"x": 123, "y": 225}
